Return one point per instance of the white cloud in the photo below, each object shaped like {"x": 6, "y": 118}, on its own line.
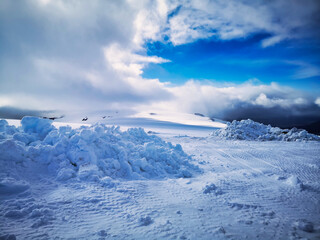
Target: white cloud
{"x": 74, "y": 55}
{"x": 284, "y": 102}
{"x": 306, "y": 70}
{"x": 127, "y": 62}
{"x": 5, "y": 101}
{"x": 226, "y": 102}
{"x": 188, "y": 21}
{"x": 263, "y": 100}
{"x": 129, "y": 67}
{"x": 90, "y": 54}
{"x": 272, "y": 40}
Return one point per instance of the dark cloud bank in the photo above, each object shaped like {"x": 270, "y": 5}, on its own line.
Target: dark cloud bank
{"x": 307, "y": 117}
{"x": 17, "y": 113}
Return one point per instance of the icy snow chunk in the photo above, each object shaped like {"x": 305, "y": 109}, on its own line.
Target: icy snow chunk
{"x": 186, "y": 174}
{"x": 10, "y": 186}
{"x": 21, "y": 138}
{"x": 250, "y": 130}
{"x": 16, "y": 213}
{"x": 44, "y": 220}
{"x": 103, "y": 233}
{"x": 89, "y": 172}
{"x": 212, "y": 188}
{"x": 36, "y": 213}
{"x": 12, "y": 150}
{"x": 239, "y": 206}
{"x": 145, "y": 221}
{"x": 65, "y": 174}
{"x": 220, "y": 230}
{"x": 294, "y": 181}
{"x": 107, "y": 182}
{"x": 87, "y": 134}
{"x": 305, "y": 225}
{"x": 35, "y": 125}
{"x": 3, "y": 125}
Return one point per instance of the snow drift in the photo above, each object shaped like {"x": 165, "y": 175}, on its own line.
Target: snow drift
{"x": 250, "y": 130}
{"x": 95, "y": 153}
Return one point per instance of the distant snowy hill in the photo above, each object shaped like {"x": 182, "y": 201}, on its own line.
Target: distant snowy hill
{"x": 195, "y": 119}
{"x": 156, "y": 122}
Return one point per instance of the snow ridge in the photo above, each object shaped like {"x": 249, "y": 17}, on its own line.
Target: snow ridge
{"x": 95, "y": 153}
{"x": 250, "y": 130}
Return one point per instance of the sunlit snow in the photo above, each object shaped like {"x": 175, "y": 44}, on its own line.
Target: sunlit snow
{"x": 102, "y": 182}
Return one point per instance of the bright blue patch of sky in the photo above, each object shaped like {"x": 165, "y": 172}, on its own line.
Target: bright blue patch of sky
{"x": 236, "y": 61}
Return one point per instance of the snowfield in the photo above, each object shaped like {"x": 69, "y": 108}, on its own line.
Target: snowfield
{"x": 99, "y": 182}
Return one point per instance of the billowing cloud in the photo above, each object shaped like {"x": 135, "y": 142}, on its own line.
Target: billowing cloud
{"x": 186, "y": 21}
{"x": 271, "y": 103}
{"x": 16, "y": 113}
{"x": 80, "y": 55}
{"x": 73, "y": 55}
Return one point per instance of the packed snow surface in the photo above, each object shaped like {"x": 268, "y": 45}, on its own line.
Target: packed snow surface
{"x": 250, "y": 130}
{"x": 97, "y": 182}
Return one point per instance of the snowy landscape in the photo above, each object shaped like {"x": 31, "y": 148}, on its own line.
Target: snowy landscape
{"x": 159, "y": 119}
{"x": 62, "y": 181}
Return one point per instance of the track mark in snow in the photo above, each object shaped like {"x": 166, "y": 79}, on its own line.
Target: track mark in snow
{"x": 225, "y": 155}
{"x": 263, "y": 161}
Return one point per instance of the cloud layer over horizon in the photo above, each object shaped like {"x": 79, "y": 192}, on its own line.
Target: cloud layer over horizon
{"x": 90, "y": 55}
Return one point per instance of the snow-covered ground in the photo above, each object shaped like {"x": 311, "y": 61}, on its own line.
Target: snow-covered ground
{"x": 104, "y": 183}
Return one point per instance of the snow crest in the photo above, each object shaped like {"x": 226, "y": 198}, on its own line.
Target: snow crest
{"x": 93, "y": 153}
{"x": 250, "y": 130}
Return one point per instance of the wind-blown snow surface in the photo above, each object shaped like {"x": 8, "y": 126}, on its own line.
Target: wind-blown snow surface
{"x": 245, "y": 189}
{"x": 250, "y": 130}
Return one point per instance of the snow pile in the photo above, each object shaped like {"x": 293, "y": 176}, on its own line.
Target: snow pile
{"x": 10, "y": 186}
{"x": 94, "y": 153}
{"x": 212, "y": 188}
{"x": 304, "y": 225}
{"x": 250, "y": 130}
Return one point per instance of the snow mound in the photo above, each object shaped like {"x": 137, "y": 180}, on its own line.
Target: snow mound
{"x": 145, "y": 221}
{"x": 11, "y": 186}
{"x": 212, "y": 188}
{"x": 89, "y": 152}
{"x": 305, "y": 225}
{"x": 250, "y": 130}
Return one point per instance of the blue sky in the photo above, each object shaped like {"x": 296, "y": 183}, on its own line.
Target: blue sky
{"x": 226, "y": 59}
{"x": 237, "y": 61}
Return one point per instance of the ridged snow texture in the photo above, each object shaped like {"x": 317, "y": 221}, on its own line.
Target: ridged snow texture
{"x": 250, "y": 130}
{"x": 92, "y": 152}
